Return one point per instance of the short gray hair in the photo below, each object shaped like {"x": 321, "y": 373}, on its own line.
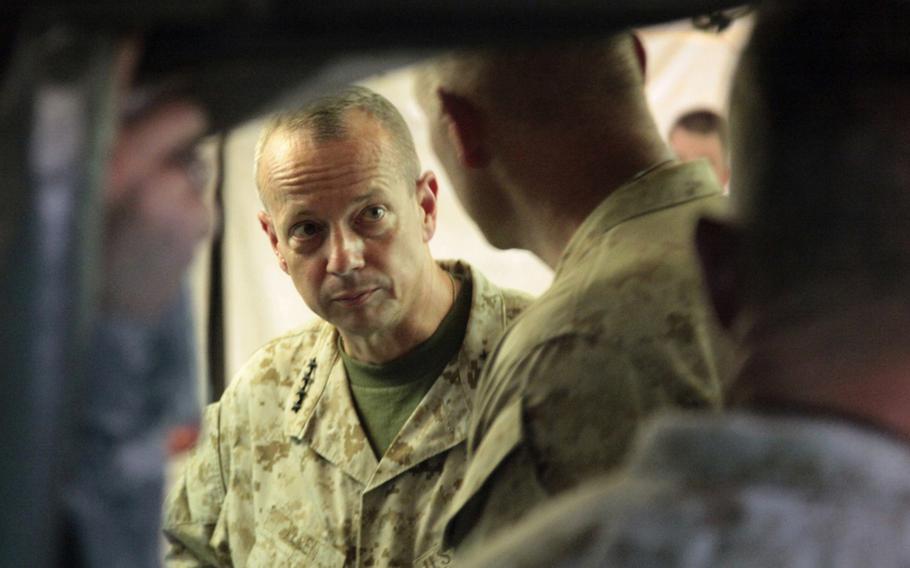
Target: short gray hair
{"x": 325, "y": 119}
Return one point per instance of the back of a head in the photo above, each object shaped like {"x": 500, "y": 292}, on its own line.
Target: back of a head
{"x": 552, "y": 84}
{"x": 821, "y": 122}
{"x": 559, "y": 124}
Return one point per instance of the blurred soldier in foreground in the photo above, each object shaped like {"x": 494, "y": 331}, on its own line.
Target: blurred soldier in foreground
{"x": 140, "y": 368}
{"x": 702, "y": 134}
{"x": 343, "y": 443}
{"x": 554, "y": 150}
{"x": 815, "y": 279}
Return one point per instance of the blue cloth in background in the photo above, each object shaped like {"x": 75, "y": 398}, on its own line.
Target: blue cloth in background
{"x": 140, "y": 381}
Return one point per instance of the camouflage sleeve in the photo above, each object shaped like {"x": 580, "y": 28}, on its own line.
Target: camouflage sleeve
{"x": 495, "y": 439}
{"x": 567, "y": 532}
{"x": 582, "y": 406}
{"x": 497, "y": 389}
{"x": 583, "y": 399}
{"x": 554, "y": 416}
{"x": 193, "y": 507}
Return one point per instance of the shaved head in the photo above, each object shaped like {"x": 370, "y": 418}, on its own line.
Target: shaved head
{"x": 327, "y": 119}
{"x": 522, "y": 84}
{"x": 535, "y": 135}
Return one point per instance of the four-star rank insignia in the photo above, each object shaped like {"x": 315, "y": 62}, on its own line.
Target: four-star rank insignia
{"x": 307, "y": 381}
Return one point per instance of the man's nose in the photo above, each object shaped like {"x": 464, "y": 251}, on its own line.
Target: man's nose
{"x": 345, "y": 252}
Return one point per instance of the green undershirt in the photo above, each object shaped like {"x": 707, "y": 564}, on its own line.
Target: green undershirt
{"x": 385, "y": 395}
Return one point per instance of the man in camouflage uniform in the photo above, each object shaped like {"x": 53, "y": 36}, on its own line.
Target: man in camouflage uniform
{"x": 342, "y": 444}
{"x": 554, "y": 150}
{"x": 814, "y": 277}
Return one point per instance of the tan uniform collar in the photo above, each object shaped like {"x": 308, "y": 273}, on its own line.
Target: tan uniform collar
{"x": 664, "y": 187}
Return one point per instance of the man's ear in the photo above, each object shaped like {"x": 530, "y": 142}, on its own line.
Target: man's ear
{"x": 641, "y": 55}
{"x": 719, "y": 246}
{"x": 269, "y": 229}
{"x": 725, "y": 176}
{"x": 427, "y": 194}
{"x": 465, "y": 128}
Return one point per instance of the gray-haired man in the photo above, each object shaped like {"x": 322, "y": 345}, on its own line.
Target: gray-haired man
{"x": 342, "y": 444}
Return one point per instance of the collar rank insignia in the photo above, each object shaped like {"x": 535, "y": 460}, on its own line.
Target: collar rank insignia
{"x": 307, "y": 381}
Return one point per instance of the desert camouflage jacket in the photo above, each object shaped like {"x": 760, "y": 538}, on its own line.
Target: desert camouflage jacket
{"x": 624, "y": 329}
{"x": 284, "y": 474}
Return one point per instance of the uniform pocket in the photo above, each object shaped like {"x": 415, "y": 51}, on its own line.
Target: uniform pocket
{"x": 273, "y": 551}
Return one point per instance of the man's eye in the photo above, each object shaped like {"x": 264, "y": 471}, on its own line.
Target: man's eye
{"x": 374, "y": 213}
{"x": 306, "y": 230}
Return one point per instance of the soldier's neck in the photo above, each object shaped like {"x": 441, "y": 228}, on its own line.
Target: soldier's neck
{"x": 551, "y": 214}
{"x": 855, "y": 361}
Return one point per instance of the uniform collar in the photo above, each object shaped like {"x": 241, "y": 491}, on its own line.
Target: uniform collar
{"x": 327, "y": 421}
{"x": 663, "y": 187}
{"x": 320, "y": 412}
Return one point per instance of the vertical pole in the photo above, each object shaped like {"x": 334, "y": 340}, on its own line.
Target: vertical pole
{"x": 217, "y": 380}
{"x": 56, "y": 115}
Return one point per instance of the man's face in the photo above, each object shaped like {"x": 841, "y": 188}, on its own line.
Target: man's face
{"x": 693, "y": 146}
{"x": 346, "y": 227}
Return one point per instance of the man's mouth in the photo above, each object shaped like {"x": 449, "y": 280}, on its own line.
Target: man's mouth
{"x": 357, "y": 298}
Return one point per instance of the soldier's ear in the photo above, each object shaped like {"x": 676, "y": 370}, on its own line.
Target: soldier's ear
{"x": 265, "y": 222}
{"x": 640, "y": 54}
{"x": 719, "y": 246}
{"x": 427, "y": 200}
{"x": 466, "y": 129}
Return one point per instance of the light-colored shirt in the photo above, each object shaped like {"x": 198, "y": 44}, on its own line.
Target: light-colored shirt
{"x": 742, "y": 489}
{"x": 284, "y": 474}
{"x": 624, "y": 330}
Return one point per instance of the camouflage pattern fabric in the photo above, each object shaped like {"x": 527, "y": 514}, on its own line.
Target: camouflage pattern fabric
{"x": 739, "y": 489}
{"x": 624, "y": 330}
{"x": 285, "y": 476}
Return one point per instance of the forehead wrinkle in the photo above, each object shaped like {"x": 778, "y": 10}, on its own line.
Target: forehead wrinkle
{"x": 291, "y": 183}
{"x": 295, "y": 168}
{"x": 289, "y": 161}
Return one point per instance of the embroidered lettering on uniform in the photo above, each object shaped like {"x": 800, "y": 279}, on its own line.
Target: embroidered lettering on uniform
{"x": 435, "y": 560}
{"x": 307, "y": 380}
{"x": 307, "y": 547}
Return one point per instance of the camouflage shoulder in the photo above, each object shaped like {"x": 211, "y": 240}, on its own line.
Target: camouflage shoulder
{"x": 515, "y": 302}
{"x": 278, "y": 361}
